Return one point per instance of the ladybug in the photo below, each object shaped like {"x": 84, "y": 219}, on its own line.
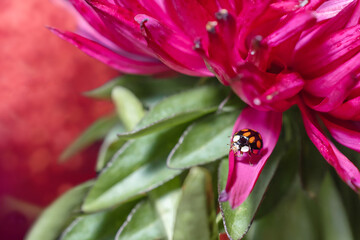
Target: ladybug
{"x": 246, "y": 140}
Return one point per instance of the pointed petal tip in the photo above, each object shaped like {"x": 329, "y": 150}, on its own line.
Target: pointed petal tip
{"x": 224, "y": 196}
{"x": 347, "y": 170}
{"x": 355, "y": 184}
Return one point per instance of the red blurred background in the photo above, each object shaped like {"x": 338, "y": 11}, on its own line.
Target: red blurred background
{"x": 41, "y": 110}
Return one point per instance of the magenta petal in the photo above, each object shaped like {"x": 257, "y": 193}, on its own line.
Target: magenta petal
{"x": 345, "y": 132}
{"x": 349, "y": 110}
{"x": 335, "y": 97}
{"x": 251, "y": 11}
{"x": 265, "y": 91}
{"x": 331, "y": 8}
{"x": 250, "y": 84}
{"x": 126, "y": 64}
{"x": 293, "y": 25}
{"x": 131, "y": 5}
{"x": 245, "y": 170}
{"x": 354, "y": 20}
{"x": 347, "y": 169}
{"x": 345, "y": 75}
{"x": 329, "y": 54}
{"x": 344, "y": 167}
{"x": 332, "y": 25}
{"x": 232, "y": 6}
{"x": 153, "y": 8}
{"x": 220, "y": 61}
{"x": 191, "y": 16}
{"x": 173, "y": 49}
{"x": 286, "y": 86}
{"x": 90, "y": 16}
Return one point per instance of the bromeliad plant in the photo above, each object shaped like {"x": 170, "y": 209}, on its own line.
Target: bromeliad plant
{"x": 286, "y": 60}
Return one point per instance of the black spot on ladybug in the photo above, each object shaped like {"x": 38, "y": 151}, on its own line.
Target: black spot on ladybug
{"x": 246, "y": 140}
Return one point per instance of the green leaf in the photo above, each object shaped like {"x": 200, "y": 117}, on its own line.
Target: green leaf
{"x": 98, "y": 226}
{"x": 312, "y": 167}
{"x": 204, "y": 141}
{"x": 146, "y": 88}
{"x": 138, "y": 167}
{"x": 292, "y": 219}
{"x": 142, "y": 223}
{"x": 335, "y": 223}
{"x": 179, "y": 108}
{"x": 289, "y": 143}
{"x": 110, "y": 146}
{"x": 55, "y": 218}
{"x": 95, "y": 132}
{"x": 128, "y": 107}
{"x": 237, "y": 221}
{"x": 166, "y": 200}
{"x": 195, "y": 216}
{"x": 220, "y": 223}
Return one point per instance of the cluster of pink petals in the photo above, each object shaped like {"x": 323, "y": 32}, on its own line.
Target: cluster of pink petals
{"x": 112, "y": 34}
{"x": 272, "y": 53}
{"x": 309, "y": 56}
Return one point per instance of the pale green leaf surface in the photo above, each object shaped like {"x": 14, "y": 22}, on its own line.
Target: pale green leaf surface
{"x": 313, "y": 168}
{"x": 98, "y": 226}
{"x": 143, "y": 223}
{"x": 128, "y": 107}
{"x": 95, "y": 132}
{"x": 192, "y": 218}
{"x": 54, "y": 219}
{"x": 204, "y": 141}
{"x": 291, "y": 219}
{"x": 166, "y": 200}
{"x": 335, "y": 223}
{"x": 290, "y": 144}
{"x": 137, "y": 168}
{"x": 109, "y": 147}
{"x": 177, "y": 109}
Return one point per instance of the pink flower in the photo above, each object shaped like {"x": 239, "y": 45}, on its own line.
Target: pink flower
{"x": 314, "y": 64}
{"x": 272, "y": 53}
{"x": 111, "y": 34}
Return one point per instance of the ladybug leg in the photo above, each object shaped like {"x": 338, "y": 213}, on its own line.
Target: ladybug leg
{"x": 239, "y": 154}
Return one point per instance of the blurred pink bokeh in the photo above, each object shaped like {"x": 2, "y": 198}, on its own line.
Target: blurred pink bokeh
{"x": 41, "y": 110}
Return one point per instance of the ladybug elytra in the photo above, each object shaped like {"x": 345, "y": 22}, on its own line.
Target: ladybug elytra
{"x": 246, "y": 140}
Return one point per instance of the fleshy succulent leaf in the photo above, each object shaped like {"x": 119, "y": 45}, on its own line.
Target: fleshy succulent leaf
{"x": 195, "y": 214}
{"x": 102, "y": 225}
{"x": 203, "y": 141}
{"x": 177, "y": 109}
{"x": 109, "y": 147}
{"x": 334, "y": 220}
{"x": 128, "y": 107}
{"x": 166, "y": 200}
{"x": 56, "y": 217}
{"x": 136, "y": 168}
{"x": 142, "y": 223}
